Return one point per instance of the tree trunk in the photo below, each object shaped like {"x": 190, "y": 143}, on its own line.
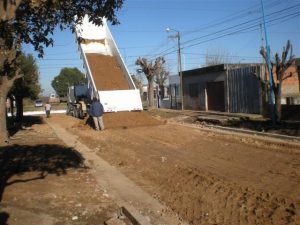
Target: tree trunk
{"x": 150, "y": 94}
{"x": 4, "y": 88}
{"x": 277, "y": 95}
{"x": 162, "y": 91}
{"x": 19, "y": 107}
{"x": 5, "y": 85}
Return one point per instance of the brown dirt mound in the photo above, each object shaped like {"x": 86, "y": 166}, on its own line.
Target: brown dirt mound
{"x": 123, "y": 120}
{"x": 107, "y": 73}
{"x": 204, "y": 199}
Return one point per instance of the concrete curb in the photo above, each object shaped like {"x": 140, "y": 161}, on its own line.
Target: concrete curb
{"x": 291, "y": 141}
{"x": 258, "y": 133}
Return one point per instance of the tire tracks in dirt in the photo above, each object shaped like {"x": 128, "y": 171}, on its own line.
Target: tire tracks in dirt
{"x": 145, "y": 209}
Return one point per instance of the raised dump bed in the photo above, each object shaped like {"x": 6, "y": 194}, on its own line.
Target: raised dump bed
{"x": 106, "y": 72}
{"x": 107, "y": 75}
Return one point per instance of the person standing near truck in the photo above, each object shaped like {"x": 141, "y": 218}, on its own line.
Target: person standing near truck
{"x": 47, "y": 109}
{"x": 96, "y": 111}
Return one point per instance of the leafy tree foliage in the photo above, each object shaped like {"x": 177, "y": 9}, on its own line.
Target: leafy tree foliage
{"x": 33, "y": 22}
{"x": 150, "y": 69}
{"x": 67, "y": 77}
{"x": 28, "y": 86}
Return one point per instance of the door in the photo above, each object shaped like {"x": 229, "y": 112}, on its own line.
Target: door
{"x": 215, "y": 96}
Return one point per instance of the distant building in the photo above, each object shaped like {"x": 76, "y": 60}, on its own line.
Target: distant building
{"x": 227, "y": 88}
{"x": 291, "y": 86}
{"x": 174, "y": 92}
{"x": 53, "y": 98}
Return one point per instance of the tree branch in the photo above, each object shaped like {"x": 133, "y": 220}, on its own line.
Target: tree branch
{"x": 288, "y": 76}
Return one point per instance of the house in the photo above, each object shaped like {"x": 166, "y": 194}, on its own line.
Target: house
{"x": 291, "y": 86}
{"x": 174, "y": 91}
{"x": 230, "y": 88}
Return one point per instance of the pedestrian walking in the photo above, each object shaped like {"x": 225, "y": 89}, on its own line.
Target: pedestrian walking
{"x": 48, "y": 109}
{"x": 96, "y": 111}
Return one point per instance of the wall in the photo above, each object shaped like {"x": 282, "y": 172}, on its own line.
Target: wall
{"x": 198, "y": 79}
{"x": 244, "y": 90}
{"x": 242, "y": 93}
{"x": 291, "y": 86}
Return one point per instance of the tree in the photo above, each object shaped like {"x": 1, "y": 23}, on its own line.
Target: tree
{"x": 160, "y": 80}
{"x": 28, "y": 86}
{"x": 137, "y": 83}
{"x": 67, "y": 77}
{"x": 216, "y": 57}
{"x": 279, "y": 68}
{"x": 33, "y": 22}
{"x": 150, "y": 69}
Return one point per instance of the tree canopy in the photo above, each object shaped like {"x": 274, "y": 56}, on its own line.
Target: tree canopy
{"x": 28, "y": 86}
{"x": 67, "y": 77}
{"x": 33, "y": 21}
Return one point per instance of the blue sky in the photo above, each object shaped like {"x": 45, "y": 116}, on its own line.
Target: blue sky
{"x": 207, "y": 27}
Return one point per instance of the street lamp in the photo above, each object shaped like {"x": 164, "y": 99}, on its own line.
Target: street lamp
{"x": 179, "y": 67}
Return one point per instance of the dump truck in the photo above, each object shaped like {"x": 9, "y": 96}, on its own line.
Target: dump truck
{"x": 78, "y": 100}
{"x": 107, "y": 76}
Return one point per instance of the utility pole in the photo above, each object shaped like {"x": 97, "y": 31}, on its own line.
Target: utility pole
{"x": 180, "y": 69}
{"x": 262, "y": 41}
{"x": 179, "y": 63}
{"x": 269, "y": 66}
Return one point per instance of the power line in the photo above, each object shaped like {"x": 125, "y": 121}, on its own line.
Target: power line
{"x": 290, "y": 16}
{"x": 232, "y": 17}
{"x": 227, "y": 34}
{"x": 241, "y": 24}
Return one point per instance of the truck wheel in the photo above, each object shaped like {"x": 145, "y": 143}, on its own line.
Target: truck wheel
{"x": 80, "y": 114}
{"x": 75, "y": 113}
{"x": 68, "y": 111}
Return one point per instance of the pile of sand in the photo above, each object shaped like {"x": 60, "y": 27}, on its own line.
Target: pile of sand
{"x": 122, "y": 120}
{"x": 106, "y": 72}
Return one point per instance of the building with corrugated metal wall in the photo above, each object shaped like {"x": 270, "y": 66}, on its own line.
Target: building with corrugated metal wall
{"x": 226, "y": 88}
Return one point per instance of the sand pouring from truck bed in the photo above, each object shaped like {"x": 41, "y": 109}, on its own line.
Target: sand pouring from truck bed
{"x": 107, "y": 74}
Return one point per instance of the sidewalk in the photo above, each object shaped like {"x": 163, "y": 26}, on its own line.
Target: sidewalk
{"x": 45, "y": 182}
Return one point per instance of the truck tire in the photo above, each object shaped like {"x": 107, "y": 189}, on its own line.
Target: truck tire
{"x": 75, "y": 113}
{"x": 68, "y": 110}
{"x": 80, "y": 114}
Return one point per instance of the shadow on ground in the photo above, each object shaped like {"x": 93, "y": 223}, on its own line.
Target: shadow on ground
{"x": 284, "y": 127}
{"x": 43, "y": 159}
{"x": 13, "y": 126}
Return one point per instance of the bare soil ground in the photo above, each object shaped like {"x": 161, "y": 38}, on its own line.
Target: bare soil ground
{"x": 206, "y": 177}
{"x": 44, "y": 182}
{"x": 246, "y": 122}
{"x": 106, "y": 72}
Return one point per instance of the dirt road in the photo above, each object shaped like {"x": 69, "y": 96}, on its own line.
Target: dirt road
{"x": 207, "y": 178}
